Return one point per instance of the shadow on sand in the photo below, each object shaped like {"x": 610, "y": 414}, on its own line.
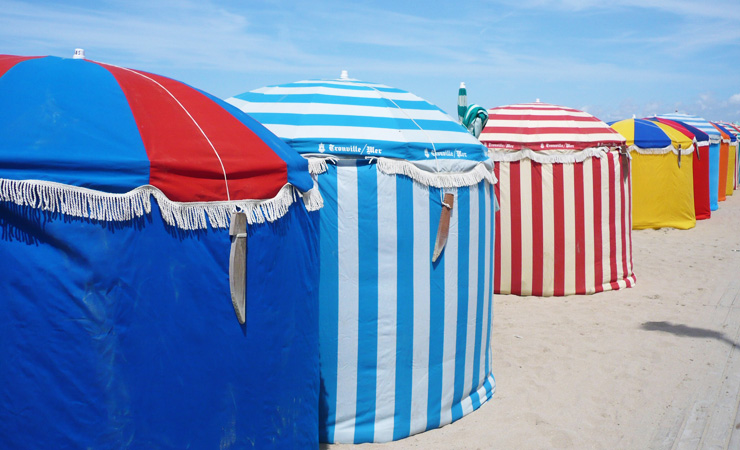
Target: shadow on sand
{"x": 687, "y": 331}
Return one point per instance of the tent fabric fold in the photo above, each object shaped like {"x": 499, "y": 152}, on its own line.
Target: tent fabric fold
{"x": 384, "y": 302}
{"x": 565, "y": 228}
{"x": 122, "y": 334}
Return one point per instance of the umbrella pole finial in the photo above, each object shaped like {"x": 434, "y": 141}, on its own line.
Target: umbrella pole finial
{"x": 344, "y": 75}
{"x": 79, "y": 53}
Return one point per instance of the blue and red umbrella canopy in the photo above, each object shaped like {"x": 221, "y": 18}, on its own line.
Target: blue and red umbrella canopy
{"x": 732, "y": 129}
{"x": 723, "y": 129}
{"x": 98, "y": 126}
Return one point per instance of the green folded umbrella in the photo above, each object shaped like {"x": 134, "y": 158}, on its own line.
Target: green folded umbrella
{"x": 475, "y": 119}
{"x": 462, "y": 102}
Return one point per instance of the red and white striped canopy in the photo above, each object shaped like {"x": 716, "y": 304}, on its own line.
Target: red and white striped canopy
{"x": 540, "y": 127}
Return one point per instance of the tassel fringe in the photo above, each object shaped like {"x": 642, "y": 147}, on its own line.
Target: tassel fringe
{"x": 435, "y": 179}
{"x": 313, "y": 199}
{"x": 96, "y": 205}
{"x": 317, "y": 165}
{"x": 548, "y": 156}
{"x": 660, "y": 151}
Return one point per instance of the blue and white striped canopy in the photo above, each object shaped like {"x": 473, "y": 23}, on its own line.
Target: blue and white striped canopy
{"x": 698, "y": 122}
{"x": 351, "y": 118}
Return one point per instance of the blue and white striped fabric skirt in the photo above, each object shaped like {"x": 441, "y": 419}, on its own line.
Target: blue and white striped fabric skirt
{"x": 405, "y": 344}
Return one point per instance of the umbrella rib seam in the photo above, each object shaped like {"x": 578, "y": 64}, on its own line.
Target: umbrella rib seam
{"x": 434, "y": 149}
{"x": 223, "y": 169}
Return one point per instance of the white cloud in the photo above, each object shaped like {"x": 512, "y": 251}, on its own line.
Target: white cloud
{"x": 704, "y": 105}
{"x": 735, "y": 99}
{"x": 192, "y": 35}
{"x": 717, "y": 9}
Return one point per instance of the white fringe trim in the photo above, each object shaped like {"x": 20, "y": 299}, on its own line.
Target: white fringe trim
{"x": 317, "y": 165}
{"x": 313, "y": 199}
{"x": 660, "y": 151}
{"x": 436, "y": 179}
{"x": 548, "y": 156}
{"x": 82, "y": 202}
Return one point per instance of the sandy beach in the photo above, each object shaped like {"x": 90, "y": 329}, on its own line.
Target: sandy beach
{"x": 651, "y": 367}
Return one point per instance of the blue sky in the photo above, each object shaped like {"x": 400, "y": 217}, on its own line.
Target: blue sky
{"x": 612, "y": 59}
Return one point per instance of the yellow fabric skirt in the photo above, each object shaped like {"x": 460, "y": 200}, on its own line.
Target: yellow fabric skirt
{"x": 662, "y": 192}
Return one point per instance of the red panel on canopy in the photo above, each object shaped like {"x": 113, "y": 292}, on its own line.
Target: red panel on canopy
{"x": 174, "y": 120}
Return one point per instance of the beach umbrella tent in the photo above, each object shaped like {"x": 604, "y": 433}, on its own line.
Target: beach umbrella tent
{"x": 724, "y": 159}
{"x": 565, "y": 221}
{"x": 728, "y": 146}
{"x": 684, "y": 146}
{"x": 732, "y": 128}
{"x": 117, "y": 191}
{"x": 736, "y": 129}
{"x": 700, "y": 165}
{"x": 662, "y": 174}
{"x": 714, "y": 151}
{"x": 734, "y": 151}
{"x": 406, "y": 254}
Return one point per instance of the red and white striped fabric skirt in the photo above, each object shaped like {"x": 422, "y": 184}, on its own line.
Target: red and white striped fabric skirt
{"x": 563, "y": 228}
